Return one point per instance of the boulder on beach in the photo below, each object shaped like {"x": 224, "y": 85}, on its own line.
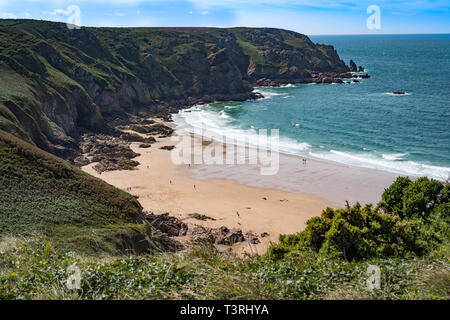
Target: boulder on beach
{"x": 167, "y": 147}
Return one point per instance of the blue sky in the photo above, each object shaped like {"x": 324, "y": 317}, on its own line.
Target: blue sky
{"x": 306, "y": 16}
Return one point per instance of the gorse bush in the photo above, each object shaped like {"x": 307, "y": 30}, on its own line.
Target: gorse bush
{"x": 414, "y": 199}
{"x": 412, "y": 219}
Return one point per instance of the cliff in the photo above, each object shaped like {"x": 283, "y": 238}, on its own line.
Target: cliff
{"x": 56, "y": 83}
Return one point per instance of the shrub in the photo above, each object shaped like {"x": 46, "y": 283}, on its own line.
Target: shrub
{"x": 413, "y": 221}
{"x": 414, "y": 199}
{"x": 420, "y": 197}
{"x": 393, "y": 196}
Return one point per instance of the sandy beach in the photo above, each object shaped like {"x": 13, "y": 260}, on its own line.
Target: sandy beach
{"x": 237, "y": 196}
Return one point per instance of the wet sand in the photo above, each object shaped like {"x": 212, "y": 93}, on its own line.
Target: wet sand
{"x": 237, "y": 196}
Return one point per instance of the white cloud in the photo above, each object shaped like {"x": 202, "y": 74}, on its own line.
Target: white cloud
{"x": 7, "y": 15}
{"x": 57, "y": 12}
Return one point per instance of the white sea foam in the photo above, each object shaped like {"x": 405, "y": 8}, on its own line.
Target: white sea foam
{"x": 231, "y": 107}
{"x": 389, "y": 163}
{"x": 394, "y": 156}
{"x": 397, "y": 95}
{"x": 216, "y": 125}
{"x": 223, "y": 115}
{"x": 220, "y": 124}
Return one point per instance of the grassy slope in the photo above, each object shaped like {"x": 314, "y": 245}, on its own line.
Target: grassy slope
{"x": 33, "y": 268}
{"x": 42, "y": 194}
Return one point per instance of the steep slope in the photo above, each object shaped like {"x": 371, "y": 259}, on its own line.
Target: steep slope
{"x": 40, "y": 193}
{"x": 56, "y": 83}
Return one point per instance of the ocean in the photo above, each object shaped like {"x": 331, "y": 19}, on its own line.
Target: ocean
{"x": 360, "y": 124}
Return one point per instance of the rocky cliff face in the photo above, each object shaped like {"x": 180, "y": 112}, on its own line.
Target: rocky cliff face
{"x": 56, "y": 83}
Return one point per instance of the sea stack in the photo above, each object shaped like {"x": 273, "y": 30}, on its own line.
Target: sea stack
{"x": 352, "y": 66}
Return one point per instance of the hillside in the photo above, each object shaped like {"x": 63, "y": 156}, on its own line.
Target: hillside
{"x": 42, "y": 195}
{"x": 57, "y": 83}
{"x": 406, "y": 236}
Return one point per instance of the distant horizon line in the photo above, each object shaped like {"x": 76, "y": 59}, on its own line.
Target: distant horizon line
{"x": 206, "y": 27}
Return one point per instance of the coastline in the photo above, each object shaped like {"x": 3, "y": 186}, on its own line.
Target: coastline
{"x": 237, "y": 196}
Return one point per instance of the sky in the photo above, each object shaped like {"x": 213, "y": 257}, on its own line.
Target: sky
{"x": 312, "y": 17}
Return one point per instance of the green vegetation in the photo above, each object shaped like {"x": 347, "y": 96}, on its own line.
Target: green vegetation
{"x": 413, "y": 219}
{"x": 56, "y": 82}
{"x": 35, "y": 270}
{"x": 42, "y": 194}
{"x": 301, "y": 266}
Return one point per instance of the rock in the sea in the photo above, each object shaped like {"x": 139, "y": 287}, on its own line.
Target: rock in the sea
{"x": 361, "y": 69}
{"x": 365, "y": 76}
{"x": 398, "y": 92}
{"x": 352, "y": 66}
{"x": 346, "y": 75}
{"x": 257, "y": 95}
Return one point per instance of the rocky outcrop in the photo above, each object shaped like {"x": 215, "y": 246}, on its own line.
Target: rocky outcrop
{"x": 352, "y": 66}
{"x": 172, "y": 226}
{"x": 110, "y": 152}
{"x": 222, "y": 236}
{"x": 159, "y": 129}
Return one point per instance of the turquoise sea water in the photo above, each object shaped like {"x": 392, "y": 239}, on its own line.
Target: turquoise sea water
{"x": 359, "y": 124}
